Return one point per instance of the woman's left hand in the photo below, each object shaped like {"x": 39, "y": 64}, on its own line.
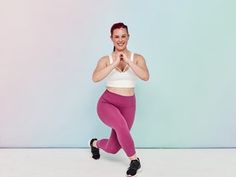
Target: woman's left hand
{"x": 124, "y": 57}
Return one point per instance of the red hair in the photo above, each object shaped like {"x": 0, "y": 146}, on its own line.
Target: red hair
{"x": 118, "y": 26}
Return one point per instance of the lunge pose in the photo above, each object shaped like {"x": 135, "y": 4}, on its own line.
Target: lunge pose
{"x": 116, "y": 106}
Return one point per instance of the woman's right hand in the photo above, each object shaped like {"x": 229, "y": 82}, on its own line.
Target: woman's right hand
{"x": 118, "y": 58}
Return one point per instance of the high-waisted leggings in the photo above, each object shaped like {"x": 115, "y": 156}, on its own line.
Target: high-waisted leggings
{"x": 117, "y": 112}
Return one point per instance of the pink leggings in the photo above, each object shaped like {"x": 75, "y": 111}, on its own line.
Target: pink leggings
{"x": 117, "y": 112}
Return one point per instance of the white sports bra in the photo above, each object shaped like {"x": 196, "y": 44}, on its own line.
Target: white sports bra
{"x": 125, "y": 79}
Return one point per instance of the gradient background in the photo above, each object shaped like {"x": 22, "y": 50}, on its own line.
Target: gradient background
{"x": 49, "y": 48}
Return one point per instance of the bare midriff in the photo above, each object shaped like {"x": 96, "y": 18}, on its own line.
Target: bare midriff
{"x": 121, "y": 91}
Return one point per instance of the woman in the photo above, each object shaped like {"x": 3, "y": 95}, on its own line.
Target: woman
{"x": 116, "y": 106}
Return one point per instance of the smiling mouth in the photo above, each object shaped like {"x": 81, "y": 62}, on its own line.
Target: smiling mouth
{"x": 120, "y": 44}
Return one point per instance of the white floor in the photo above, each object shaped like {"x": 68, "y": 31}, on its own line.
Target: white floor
{"x": 155, "y": 163}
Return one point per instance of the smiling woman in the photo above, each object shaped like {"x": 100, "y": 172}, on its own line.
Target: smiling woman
{"x": 116, "y": 107}
{"x": 119, "y": 36}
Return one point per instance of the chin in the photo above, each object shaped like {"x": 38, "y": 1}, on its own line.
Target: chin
{"x": 120, "y": 48}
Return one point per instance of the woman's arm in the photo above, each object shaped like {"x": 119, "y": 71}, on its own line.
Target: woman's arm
{"x": 139, "y": 67}
{"x": 102, "y": 69}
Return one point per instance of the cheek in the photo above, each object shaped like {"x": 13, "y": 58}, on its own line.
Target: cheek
{"x": 114, "y": 40}
{"x": 126, "y": 39}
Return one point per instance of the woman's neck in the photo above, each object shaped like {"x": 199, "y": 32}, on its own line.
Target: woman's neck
{"x": 126, "y": 51}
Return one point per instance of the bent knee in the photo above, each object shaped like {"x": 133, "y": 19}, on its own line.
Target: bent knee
{"x": 114, "y": 150}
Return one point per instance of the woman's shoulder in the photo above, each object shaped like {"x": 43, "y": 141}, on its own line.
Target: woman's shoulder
{"x": 138, "y": 57}
{"x": 104, "y": 59}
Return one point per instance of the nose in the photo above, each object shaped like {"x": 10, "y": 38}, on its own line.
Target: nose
{"x": 120, "y": 39}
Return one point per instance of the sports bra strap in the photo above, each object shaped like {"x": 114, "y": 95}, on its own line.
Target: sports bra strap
{"x": 110, "y": 58}
{"x": 132, "y": 56}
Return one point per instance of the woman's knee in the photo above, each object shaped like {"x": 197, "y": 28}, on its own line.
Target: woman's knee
{"x": 114, "y": 149}
{"x": 121, "y": 126}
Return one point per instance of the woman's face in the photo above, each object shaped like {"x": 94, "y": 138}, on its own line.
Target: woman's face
{"x": 120, "y": 39}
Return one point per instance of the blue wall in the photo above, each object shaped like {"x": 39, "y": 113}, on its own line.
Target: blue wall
{"x": 50, "y": 48}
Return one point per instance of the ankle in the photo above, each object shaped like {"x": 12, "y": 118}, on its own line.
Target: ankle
{"x": 137, "y": 159}
{"x": 95, "y": 144}
{"x": 134, "y": 157}
{"x": 94, "y": 149}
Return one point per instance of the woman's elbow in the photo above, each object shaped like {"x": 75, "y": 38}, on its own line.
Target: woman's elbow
{"x": 95, "y": 78}
{"x": 145, "y": 77}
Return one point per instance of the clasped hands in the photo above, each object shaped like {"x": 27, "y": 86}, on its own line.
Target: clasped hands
{"x": 121, "y": 57}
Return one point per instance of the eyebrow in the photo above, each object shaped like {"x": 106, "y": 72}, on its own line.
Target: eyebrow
{"x": 121, "y": 35}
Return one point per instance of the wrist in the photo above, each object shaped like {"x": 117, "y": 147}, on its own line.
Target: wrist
{"x": 113, "y": 65}
{"x": 129, "y": 62}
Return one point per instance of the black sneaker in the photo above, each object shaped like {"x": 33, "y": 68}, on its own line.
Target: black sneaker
{"x": 94, "y": 150}
{"x": 133, "y": 167}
